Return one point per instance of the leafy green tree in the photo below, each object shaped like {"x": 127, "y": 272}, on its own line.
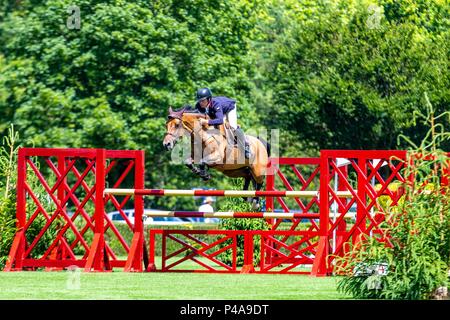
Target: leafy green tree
{"x": 109, "y": 83}
{"x": 350, "y": 74}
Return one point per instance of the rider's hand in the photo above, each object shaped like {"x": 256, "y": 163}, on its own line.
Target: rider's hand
{"x": 204, "y": 122}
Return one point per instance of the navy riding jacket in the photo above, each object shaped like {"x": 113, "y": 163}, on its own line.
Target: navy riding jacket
{"x": 218, "y": 108}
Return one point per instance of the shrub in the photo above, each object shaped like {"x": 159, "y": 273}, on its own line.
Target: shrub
{"x": 8, "y": 185}
{"x": 7, "y": 228}
{"x": 417, "y": 255}
{"x": 237, "y": 205}
{"x": 8, "y": 162}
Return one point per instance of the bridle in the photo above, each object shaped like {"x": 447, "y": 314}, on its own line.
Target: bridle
{"x": 189, "y": 130}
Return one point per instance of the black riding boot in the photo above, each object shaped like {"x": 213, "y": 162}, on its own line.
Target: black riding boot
{"x": 247, "y": 151}
{"x": 242, "y": 141}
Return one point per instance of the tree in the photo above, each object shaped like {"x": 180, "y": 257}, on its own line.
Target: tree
{"x": 349, "y": 74}
{"x": 109, "y": 83}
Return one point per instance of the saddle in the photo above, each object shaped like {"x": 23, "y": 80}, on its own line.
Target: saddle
{"x": 229, "y": 133}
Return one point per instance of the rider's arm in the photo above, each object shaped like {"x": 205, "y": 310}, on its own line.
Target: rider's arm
{"x": 219, "y": 116}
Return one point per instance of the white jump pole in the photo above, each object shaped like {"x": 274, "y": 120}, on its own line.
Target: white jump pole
{"x": 220, "y": 193}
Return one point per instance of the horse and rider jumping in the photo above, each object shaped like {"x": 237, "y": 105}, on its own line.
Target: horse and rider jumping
{"x": 247, "y": 157}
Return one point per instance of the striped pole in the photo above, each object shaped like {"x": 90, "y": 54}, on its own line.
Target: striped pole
{"x": 231, "y": 214}
{"x": 221, "y": 193}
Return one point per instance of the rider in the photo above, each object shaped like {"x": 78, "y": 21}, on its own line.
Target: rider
{"x": 217, "y": 109}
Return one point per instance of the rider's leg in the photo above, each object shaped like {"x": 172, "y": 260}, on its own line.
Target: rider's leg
{"x": 241, "y": 138}
{"x": 232, "y": 118}
{"x": 242, "y": 141}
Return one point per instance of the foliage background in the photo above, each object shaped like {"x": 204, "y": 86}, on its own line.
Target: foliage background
{"x": 328, "y": 74}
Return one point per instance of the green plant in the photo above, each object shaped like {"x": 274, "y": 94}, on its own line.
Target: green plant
{"x": 8, "y": 183}
{"x": 8, "y": 161}
{"x": 237, "y": 205}
{"x": 7, "y": 228}
{"x": 417, "y": 254}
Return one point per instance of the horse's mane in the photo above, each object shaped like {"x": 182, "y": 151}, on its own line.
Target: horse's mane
{"x": 184, "y": 109}
{"x": 187, "y": 108}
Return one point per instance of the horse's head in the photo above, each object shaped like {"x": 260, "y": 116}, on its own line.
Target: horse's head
{"x": 182, "y": 122}
{"x": 174, "y": 128}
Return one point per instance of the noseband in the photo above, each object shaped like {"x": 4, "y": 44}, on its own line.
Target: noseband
{"x": 171, "y": 134}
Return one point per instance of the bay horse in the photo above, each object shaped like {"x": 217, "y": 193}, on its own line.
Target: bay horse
{"x": 216, "y": 150}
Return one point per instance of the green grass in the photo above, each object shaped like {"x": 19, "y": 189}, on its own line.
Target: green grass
{"x": 164, "y": 286}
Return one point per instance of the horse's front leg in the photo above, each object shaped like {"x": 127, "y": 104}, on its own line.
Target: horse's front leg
{"x": 212, "y": 157}
{"x": 190, "y": 164}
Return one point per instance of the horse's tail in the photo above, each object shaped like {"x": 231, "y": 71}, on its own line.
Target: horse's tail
{"x": 266, "y": 145}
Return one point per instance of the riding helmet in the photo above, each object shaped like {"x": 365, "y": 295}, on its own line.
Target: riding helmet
{"x": 203, "y": 93}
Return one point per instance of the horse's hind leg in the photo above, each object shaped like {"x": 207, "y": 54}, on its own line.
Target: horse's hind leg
{"x": 204, "y": 172}
{"x": 190, "y": 164}
{"x": 193, "y": 168}
{"x": 256, "y": 200}
{"x": 246, "y": 185}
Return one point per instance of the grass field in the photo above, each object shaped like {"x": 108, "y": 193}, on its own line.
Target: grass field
{"x": 164, "y": 286}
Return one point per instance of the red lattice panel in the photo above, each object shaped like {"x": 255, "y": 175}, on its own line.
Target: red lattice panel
{"x": 60, "y": 208}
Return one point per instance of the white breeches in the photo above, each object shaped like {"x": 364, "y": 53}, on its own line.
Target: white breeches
{"x": 232, "y": 117}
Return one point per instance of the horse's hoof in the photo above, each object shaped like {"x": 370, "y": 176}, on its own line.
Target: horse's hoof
{"x": 206, "y": 178}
